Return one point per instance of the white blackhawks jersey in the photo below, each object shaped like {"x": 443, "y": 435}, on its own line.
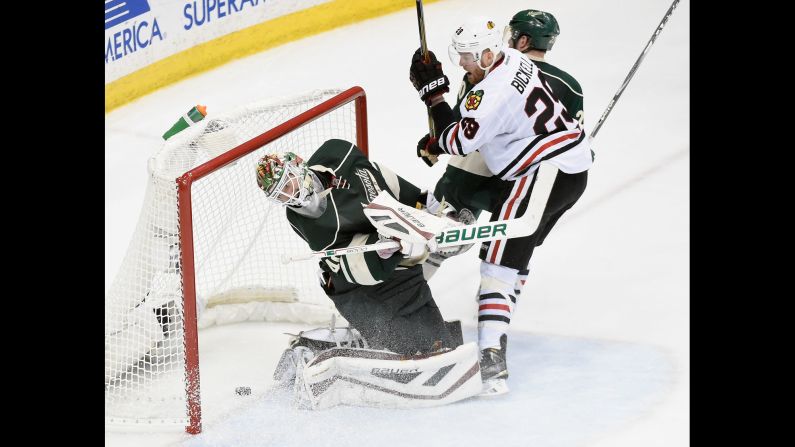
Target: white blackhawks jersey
{"x": 512, "y": 118}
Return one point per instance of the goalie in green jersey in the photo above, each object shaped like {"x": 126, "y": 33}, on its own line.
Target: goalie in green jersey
{"x": 381, "y": 293}
{"x": 399, "y": 352}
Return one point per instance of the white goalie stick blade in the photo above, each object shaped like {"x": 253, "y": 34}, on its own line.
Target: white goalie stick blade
{"x": 372, "y": 378}
{"x": 470, "y": 234}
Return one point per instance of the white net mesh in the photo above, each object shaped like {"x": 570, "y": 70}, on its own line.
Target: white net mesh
{"x": 238, "y": 238}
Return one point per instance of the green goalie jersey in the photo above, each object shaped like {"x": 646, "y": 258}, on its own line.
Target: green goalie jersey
{"x": 354, "y": 180}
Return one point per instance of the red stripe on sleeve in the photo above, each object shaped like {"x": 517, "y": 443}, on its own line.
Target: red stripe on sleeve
{"x": 453, "y": 133}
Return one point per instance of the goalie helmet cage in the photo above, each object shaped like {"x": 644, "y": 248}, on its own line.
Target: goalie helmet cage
{"x": 206, "y": 251}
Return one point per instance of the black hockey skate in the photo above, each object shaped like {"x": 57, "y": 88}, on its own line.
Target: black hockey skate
{"x": 494, "y": 369}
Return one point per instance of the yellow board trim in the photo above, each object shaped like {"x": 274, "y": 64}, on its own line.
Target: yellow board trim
{"x": 246, "y": 42}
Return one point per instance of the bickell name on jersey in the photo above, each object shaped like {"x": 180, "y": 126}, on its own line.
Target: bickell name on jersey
{"x": 355, "y": 181}
{"x": 513, "y": 143}
{"x": 523, "y": 75}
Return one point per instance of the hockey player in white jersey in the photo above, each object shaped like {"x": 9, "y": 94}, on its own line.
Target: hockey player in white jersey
{"x": 514, "y": 120}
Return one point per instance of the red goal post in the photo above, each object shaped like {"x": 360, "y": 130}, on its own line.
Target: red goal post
{"x": 184, "y": 185}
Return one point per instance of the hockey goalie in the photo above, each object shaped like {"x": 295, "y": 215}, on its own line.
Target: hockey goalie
{"x": 398, "y": 351}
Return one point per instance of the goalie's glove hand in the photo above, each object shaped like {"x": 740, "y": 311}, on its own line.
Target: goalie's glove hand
{"x": 386, "y": 253}
{"x": 427, "y": 144}
{"x": 464, "y": 217}
{"x": 407, "y": 248}
{"x": 413, "y": 249}
{"x": 428, "y": 79}
{"x": 459, "y": 218}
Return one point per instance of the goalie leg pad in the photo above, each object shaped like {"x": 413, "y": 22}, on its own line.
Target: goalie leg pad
{"x": 365, "y": 377}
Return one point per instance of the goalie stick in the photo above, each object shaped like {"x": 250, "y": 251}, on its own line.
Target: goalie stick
{"x": 467, "y": 234}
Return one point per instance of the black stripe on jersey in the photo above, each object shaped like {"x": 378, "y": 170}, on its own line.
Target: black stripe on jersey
{"x": 458, "y": 143}
{"x": 489, "y": 296}
{"x": 521, "y": 155}
{"x": 443, "y": 138}
{"x": 564, "y": 148}
{"x": 552, "y": 154}
{"x": 494, "y": 318}
{"x": 522, "y": 206}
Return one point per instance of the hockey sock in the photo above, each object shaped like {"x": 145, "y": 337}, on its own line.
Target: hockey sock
{"x": 495, "y": 303}
{"x": 521, "y": 278}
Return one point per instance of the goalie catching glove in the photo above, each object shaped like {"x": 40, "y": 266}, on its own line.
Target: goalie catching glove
{"x": 428, "y": 79}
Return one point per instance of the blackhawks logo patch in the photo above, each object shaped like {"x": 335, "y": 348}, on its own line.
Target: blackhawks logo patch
{"x": 473, "y": 100}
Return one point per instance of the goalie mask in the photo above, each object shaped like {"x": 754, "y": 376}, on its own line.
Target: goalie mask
{"x": 285, "y": 179}
{"x": 472, "y": 38}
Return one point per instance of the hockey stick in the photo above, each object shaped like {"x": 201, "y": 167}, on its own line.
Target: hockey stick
{"x": 632, "y": 71}
{"x": 469, "y": 234}
{"x": 427, "y": 59}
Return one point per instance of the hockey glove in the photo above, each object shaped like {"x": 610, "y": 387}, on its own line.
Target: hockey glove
{"x": 423, "y": 146}
{"x": 428, "y": 79}
{"x": 408, "y": 248}
{"x": 463, "y": 217}
{"x": 413, "y": 249}
{"x": 386, "y": 253}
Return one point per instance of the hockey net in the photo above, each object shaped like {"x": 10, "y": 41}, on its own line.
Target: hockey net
{"x": 206, "y": 251}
